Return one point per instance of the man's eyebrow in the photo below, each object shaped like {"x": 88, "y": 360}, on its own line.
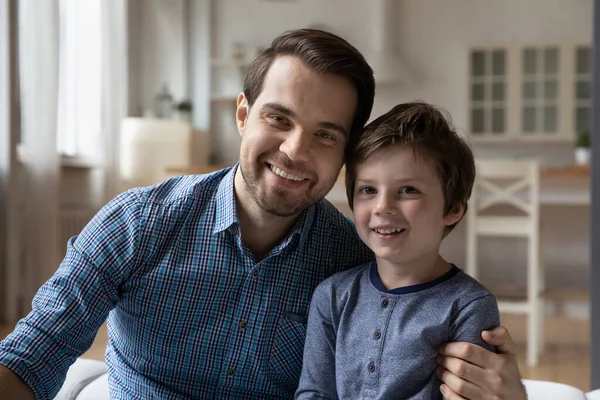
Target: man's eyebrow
{"x": 334, "y": 126}
{"x": 279, "y": 108}
{"x": 287, "y": 111}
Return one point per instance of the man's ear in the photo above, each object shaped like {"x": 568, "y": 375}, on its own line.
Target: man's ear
{"x": 455, "y": 215}
{"x": 241, "y": 113}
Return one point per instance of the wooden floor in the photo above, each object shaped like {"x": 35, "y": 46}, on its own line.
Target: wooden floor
{"x": 568, "y": 364}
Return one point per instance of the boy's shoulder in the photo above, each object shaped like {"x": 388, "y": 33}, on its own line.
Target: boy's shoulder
{"x": 465, "y": 289}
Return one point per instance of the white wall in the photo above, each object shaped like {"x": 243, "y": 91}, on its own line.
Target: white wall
{"x": 158, "y": 51}
{"x": 434, "y": 37}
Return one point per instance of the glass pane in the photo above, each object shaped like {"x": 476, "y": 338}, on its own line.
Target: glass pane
{"x": 498, "y": 91}
{"x": 498, "y": 120}
{"x": 477, "y": 121}
{"x": 498, "y": 63}
{"x": 582, "y": 119}
{"x": 583, "y": 60}
{"x": 551, "y": 60}
{"x": 478, "y": 91}
{"x": 529, "y": 119}
{"x": 478, "y": 63}
{"x": 529, "y": 61}
{"x": 582, "y": 90}
{"x": 529, "y": 90}
{"x": 550, "y": 119}
{"x": 550, "y": 90}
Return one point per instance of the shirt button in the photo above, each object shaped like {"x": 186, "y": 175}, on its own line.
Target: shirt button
{"x": 231, "y": 372}
{"x": 255, "y": 273}
{"x": 371, "y": 367}
{"x": 376, "y": 335}
{"x": 385, "y": 302}
{"x": 243, "y": 324}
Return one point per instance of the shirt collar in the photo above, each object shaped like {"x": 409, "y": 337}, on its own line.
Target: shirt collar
{"x": 226, "y": 211}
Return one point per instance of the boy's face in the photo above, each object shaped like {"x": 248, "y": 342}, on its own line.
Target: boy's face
{"x": 399, "y": 206}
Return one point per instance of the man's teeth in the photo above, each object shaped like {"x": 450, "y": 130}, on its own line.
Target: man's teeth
{"x": 388, "y": 231}
{"x": 285, "y": 175}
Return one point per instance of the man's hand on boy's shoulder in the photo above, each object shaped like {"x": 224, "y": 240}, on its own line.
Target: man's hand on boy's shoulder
{"x": 472, "y": 372}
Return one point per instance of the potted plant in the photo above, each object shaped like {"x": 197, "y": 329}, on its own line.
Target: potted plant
{"x": 582, "y": 148}
{"x": 184, "y": 110}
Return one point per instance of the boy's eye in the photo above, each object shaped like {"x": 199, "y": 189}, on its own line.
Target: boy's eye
{"x": 409, "y": 190}
{"x": 367, "y": 190}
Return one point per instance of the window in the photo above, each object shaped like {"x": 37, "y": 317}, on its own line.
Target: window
{"x": 583, "y": 79}
{"x": 80, "y": 80}
{"x": 488, "y": 92}
{"x": 540, "y": 90}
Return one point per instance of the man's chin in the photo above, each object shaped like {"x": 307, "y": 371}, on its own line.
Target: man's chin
{"x": 277, "y": 205}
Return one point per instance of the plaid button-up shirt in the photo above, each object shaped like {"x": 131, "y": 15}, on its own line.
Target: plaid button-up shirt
{"x": 191, "y": 314}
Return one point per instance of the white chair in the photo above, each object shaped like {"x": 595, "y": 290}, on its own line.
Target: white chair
{"x": 502, "y": 183}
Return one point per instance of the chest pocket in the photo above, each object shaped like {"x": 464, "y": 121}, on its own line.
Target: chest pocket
{"x": 285, "y": 361}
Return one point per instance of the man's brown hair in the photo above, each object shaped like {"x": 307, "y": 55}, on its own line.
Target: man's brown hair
{"x": 325, "y": 53}
{"x": 428, "y": 132}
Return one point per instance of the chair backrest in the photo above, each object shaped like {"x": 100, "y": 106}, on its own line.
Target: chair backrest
{"x": 514, "y": 186}
{"x": 501, "y": 182}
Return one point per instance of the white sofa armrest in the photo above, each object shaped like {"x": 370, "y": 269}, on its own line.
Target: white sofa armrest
{"x": 80, "y": 374}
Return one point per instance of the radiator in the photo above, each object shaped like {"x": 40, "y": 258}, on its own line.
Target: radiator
{"x": 70, "y": 223}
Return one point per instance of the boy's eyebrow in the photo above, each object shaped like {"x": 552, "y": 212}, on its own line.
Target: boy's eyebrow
{"x": 405, "y": 179}
{"x": 290, "y": 113}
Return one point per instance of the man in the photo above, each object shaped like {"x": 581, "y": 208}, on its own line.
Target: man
{"x": 206, "y": 280}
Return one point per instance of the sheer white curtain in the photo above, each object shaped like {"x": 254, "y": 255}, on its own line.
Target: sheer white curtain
{"x": 9, "y": 189}
{"x": 39, "y": 76}
{"x": 114, "y": 88}
{"x": 80, "y": 87}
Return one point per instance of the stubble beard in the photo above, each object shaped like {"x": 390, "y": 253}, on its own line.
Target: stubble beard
{"x": 274, "y": 200}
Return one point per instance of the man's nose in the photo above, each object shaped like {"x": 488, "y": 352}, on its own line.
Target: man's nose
{"x": 296, "y": 146}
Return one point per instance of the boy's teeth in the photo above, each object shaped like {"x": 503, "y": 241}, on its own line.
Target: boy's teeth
{"x": 285, "y": 175}
{"x": 388, "y": 231}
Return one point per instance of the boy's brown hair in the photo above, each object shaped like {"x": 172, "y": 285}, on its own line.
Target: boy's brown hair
{"x": 325, "y": 53}
{"x": 425, "y": 128}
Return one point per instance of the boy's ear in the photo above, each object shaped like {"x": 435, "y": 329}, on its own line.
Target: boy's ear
{"x": 455, "y": 215}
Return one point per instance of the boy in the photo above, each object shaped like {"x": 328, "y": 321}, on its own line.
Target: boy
{"x": 374, "y": 331}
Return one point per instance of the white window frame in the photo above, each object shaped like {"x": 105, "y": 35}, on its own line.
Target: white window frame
{"x": 514, "y": 97}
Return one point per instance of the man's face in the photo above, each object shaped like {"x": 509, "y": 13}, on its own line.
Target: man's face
{"x": 294, "y": 136}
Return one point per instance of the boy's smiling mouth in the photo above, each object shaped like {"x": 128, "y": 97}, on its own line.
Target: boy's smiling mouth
{"x": 388, "y": 231}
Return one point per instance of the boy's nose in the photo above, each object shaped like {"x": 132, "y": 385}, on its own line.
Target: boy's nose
{"x": 385, "y": 206}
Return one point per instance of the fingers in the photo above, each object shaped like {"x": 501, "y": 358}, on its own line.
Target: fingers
{"x": 469, "y": 352}
{"x": 457, "y": 387}
{"x": 500, "y": 337}
{"x": 462, "y": 369}
{"x": 450, "y": 394}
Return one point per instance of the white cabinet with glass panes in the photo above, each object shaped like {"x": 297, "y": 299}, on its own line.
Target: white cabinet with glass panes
{"x": 583, "y": 79}
{"x": 529, "y": 92}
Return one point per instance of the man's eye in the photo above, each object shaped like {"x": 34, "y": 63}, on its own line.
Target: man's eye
{"x": 367, "y": 190}
{"x": 278, "y": 119}
{"x": 326, "y": 135}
